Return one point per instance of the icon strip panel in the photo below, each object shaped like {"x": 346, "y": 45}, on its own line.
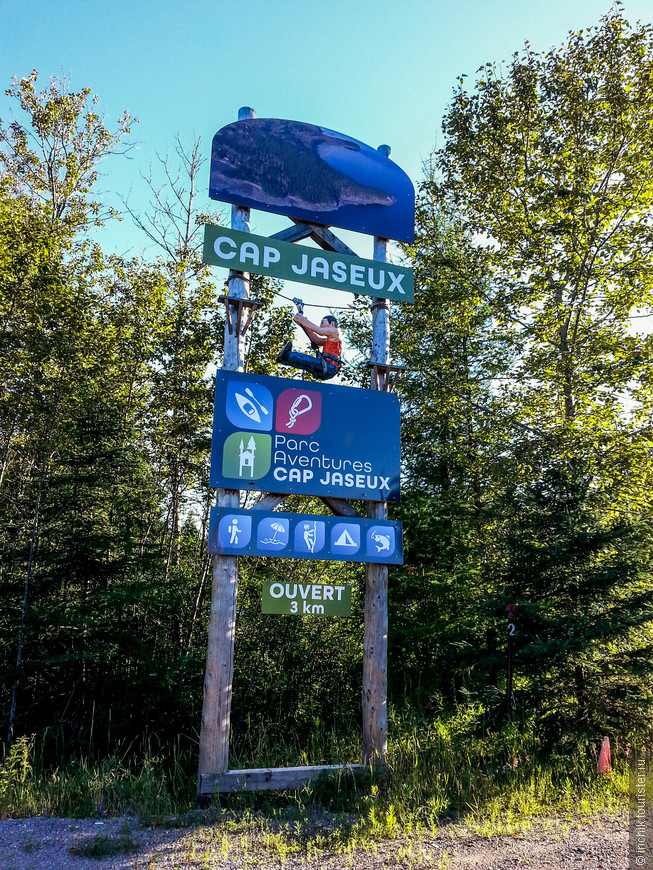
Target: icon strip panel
{"x": 238, "y": 532}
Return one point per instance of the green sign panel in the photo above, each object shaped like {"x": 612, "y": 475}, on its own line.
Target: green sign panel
{"x": 307, "y": 599}
{"x": 291, "y": 262}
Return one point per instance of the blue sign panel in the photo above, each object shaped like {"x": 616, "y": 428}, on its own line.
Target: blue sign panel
{"x": 237, "y": 532}
{"x": 313, "y": 174}
{"x": 277, "y": 435}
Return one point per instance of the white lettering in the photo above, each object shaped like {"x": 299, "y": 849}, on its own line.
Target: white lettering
{"x": 295, "y": 474}
{"x": 360, "y": 480}
{"x": 319, "y": 264}
{"x": 270, "y": 255}
{"x": 307, "y": 475}
{"x": 276, "y": 590}
{"x": 306, "y": 608}
{"x": 317, "y": 592}
{"x": 340, "y": 590}
{"x": 396, "y": 282}
{"x": 280, "y": 474}
{"x": 304, "y": 266}
{"x": 328, "y": 593}
{"x": 304, "y": 590}
{"x": 339, "y": 271}
{"x": 384, "y": 483}
{"x": 249, "y": 251}
{"x": 217, "y": 245}
{"x": 370, "y": 279}
{"x": 357, "y": 276}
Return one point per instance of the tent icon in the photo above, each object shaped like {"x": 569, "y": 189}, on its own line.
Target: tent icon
{"x": 345, "y": 540}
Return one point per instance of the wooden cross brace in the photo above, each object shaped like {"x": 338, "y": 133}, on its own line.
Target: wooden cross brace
{"x": 381, "y": 374}
{"x": 239, "y": 304}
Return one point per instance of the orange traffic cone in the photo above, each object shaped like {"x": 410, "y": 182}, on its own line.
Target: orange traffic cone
{"x": 604, "y": 764}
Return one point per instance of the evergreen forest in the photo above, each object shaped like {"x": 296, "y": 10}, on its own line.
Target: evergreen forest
{"x": 527, "y": 435}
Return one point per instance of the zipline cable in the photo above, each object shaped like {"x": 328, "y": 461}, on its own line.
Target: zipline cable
{"x": 314, "y": 305}
{"x": 291, "y": 299}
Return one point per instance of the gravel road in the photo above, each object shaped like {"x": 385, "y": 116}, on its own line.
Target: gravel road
{"x": 45, "y": 844}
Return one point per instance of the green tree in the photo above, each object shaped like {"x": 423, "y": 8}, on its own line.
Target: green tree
{"x": 548, "y": 168}
{"x": 550, "y": 165}
{"x": 48, "y": 295}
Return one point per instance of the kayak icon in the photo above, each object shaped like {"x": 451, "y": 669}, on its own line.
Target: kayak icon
{"x": 249, "y": 406}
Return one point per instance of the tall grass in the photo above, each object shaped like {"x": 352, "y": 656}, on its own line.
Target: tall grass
{"x": 111, "y": 786}
{"x": 445, "y": 768}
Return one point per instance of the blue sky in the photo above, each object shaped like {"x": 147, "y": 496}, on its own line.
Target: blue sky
{"x": 380, "y": 71}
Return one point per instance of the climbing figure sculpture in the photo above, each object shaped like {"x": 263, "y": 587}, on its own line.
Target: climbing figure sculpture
{"x": 325, "y": 340}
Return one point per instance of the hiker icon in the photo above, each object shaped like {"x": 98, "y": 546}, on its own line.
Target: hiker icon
{"x": 234, "y": 531}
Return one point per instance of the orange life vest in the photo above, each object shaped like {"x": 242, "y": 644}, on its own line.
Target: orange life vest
{"x": 333, "y": 347}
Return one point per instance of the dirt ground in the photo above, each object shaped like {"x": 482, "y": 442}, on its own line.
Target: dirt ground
{"x": 45, "y": 844}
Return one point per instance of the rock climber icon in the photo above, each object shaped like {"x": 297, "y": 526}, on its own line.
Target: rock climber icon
{"x": 325, "y": 341}
{"x": 310, "y": 536}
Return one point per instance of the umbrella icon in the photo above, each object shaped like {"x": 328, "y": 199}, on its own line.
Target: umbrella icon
{"x": 276, "y": 527}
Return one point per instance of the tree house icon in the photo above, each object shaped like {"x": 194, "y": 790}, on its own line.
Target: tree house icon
{"x": 246, "y": 457}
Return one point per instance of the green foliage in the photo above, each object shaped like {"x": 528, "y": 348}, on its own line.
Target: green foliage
{"x": 441, "y": 769}
{"x": 551, "y": 164}
{"x": 526, "y": 432}
{"x": 15, "y": 774}
{"x": 526, "y": 405}
{"x": 103, "y": 845}
{"x": 54, "y": 162}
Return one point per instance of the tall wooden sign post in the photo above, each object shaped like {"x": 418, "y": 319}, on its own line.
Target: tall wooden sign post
{"x": 375, "y": 641}
{"x": 377, "y": 195}
{"x": 218, "y": 679}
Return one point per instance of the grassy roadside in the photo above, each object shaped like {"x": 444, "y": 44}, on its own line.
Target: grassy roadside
{"x": 440, "y": 771}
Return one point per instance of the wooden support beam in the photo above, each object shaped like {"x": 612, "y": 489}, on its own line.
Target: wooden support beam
{"x": 269, "y": 778}
{"x": 236, "y": 325}
{"x": 375, "y": 634}
{"x": 218, "y": 677}
{"x": 340, "y": 506}
{"x": 295, "y": 233}
{"x": 381, "y": 374}
{"x": 269, "y": 501}
{"x": 320, "y": 234}
{"x": 327, "y": 240}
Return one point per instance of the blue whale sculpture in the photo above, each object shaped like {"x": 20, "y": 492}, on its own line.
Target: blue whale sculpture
{"x": 313, "y": 174}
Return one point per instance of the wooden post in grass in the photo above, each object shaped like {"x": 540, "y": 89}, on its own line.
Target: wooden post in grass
{"x": 375, "y": 641}
{"x": 218, "y": 679}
